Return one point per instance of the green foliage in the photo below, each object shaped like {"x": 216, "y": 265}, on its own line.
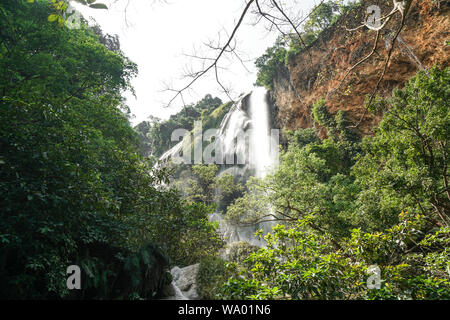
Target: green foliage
{"x": 240, "y": 251}
{"x": 322, "y": 17}
{"x": 299, "y": 263}
{"x": 186, "y": 233}
{"x": 206, "y": 175}
{"x": 74, "y": 188}
{"x": 202, "y": 188}
{"x": 296, "y": 264}
{"x": 252, "y": 206}
{"x": 71, "y": 178}
{"x": 338, "y": 126}
{"x": 109, "y": 273}
{"x": 269, "y": 64}
{"x": 201, "y": 183}
{"x": 301, "y": 138}
{"x": 227, "y": 190}
{"x": 323, "y": 117}
{"x": 142, "y": 130}
{"x": 211, "y": 120}
{"x": 60, "y": 9}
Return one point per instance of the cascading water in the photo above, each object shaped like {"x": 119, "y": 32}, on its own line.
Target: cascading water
{"x": 407, "y": 50}
{"x": 252, "y": 115}
{"x": 244, "y": 137}
{"x": 260, "y": 144}
{"x": 232, "y": 137}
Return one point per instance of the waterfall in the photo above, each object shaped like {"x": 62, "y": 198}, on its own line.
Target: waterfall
{"x": 410, "y": 54}
{"x": 247, "y": 148}
{"x": 260, "y": 145}
{"x": 232, "y": 139}
{"x": 250, "y": 115}
{"x": 405, "y": 49}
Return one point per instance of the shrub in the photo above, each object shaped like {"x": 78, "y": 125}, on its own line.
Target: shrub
{"x": 239, "y": 251}
{"x": 212, "y": 274}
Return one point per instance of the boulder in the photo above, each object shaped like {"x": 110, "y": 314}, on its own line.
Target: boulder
{"x": 183, "y": 286}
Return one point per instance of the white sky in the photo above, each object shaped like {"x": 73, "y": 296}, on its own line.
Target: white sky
{"x": 157, "y": 37}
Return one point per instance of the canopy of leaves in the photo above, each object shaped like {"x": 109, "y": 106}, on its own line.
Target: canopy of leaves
{"x": 73, "y": 187}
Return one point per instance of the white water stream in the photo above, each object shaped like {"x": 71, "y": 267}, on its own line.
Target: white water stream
{"x": 244, "y": 136}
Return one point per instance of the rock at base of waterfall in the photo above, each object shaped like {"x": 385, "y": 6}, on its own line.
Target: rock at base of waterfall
{"x": 184, "y": 285}
{"x": 172, "y": 292}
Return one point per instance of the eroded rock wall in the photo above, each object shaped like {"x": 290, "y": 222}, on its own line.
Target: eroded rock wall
{"x": 317, "y": 72}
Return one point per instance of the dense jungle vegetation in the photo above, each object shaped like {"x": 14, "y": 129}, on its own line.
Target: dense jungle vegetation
{"x": 78, "y": 184}
{"x": 344, "y": 204}
{"x": 74, "y": 187}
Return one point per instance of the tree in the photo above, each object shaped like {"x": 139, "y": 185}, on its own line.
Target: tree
{"x": 73, "y": 187}
{"x": 300, "y": 264}
{"x": 209, "y": 187}
{"x": 400, "y": 7}
{"x": 406, "y": 163}
{"x": 60, "y": 7}
{"x": 322, "y": 17}
{"x": 156, "y": 135}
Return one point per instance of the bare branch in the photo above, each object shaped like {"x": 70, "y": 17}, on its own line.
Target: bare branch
{"x": 214, "y": 63}
{"x": 399, "y": 6}
{"x": 403, "y": 8}
{"x": 270, "y": 11}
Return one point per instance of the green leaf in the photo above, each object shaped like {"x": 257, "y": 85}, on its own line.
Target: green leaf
{"x": 98, "y": 6}
{"x": 53, "y": 17}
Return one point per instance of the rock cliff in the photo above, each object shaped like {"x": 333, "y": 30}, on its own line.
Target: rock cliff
{"x": 316, "y": 72}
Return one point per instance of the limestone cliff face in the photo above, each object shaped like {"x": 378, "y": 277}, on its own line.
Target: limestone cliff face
{"x": 315, "y": 73}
